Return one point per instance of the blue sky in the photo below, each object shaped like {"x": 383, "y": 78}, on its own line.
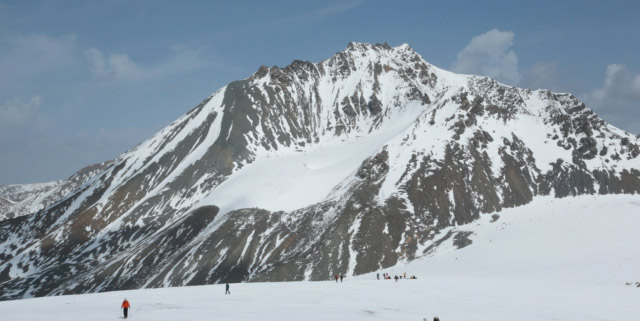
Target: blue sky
{"x": 83, "y": 81}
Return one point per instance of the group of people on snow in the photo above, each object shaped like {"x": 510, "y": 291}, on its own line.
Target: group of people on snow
{"x": 126, "y": 305}
{"x": 386, "y": 276}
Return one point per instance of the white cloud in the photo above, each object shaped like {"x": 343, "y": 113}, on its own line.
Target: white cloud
{"x": 620, "y": 86}
{"x": 16, "y": 114}
{"x": 122, "y": 67}
{"x": 118, "y": 66}
{"x": 489, "y": 54}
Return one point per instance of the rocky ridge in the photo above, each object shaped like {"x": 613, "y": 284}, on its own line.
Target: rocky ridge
{"x": 20, "y": 200}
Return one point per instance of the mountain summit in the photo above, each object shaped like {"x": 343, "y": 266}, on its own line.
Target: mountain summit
{"x": 344, "y": 166}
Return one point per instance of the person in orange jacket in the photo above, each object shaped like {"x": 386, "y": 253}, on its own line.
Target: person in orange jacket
{"x": 125, "y": 307}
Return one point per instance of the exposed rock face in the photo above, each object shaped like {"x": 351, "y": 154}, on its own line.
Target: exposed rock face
{"x": 440, "y": 149}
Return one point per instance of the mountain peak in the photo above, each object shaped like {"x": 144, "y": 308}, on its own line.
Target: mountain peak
{"x": 360, "y": 53}
{"x": 363, "y": 46}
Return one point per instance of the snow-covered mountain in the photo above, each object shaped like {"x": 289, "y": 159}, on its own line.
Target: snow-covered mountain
{"x": 24, "y": 199}
{"x": 348, "y": 165}
{"x": 11, "y": 195}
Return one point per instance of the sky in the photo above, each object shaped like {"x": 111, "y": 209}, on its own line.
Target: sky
{"x": 83, "y": 81}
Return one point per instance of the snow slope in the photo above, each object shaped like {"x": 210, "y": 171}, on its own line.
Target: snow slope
{"x": 294, "y": 178}
{"x": 553, "y": 259}
{"x": 586, "y": 239}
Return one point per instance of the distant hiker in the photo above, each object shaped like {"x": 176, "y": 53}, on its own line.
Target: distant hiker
{"x": 378, "y": 276}
{"x": 341, "y": 277}
{"x": 336, "y": 277}
{"x": 125, "y": 307}
{"x": 227, "y": 290}
{"x": 405, "y": 275}
{"x": 396, "y": 278}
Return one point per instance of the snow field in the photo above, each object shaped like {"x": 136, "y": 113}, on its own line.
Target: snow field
{"x": 447, "y": 297}
{"x": 292, "y": 179}
{"x": 586, "y": 239}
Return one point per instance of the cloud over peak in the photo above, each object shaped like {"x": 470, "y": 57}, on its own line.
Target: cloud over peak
{"x": 620, "y": 85}
{"x": 490, "y": 54}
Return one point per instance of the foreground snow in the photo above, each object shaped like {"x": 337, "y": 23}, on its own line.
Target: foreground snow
{"x": 554, "y": 259}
